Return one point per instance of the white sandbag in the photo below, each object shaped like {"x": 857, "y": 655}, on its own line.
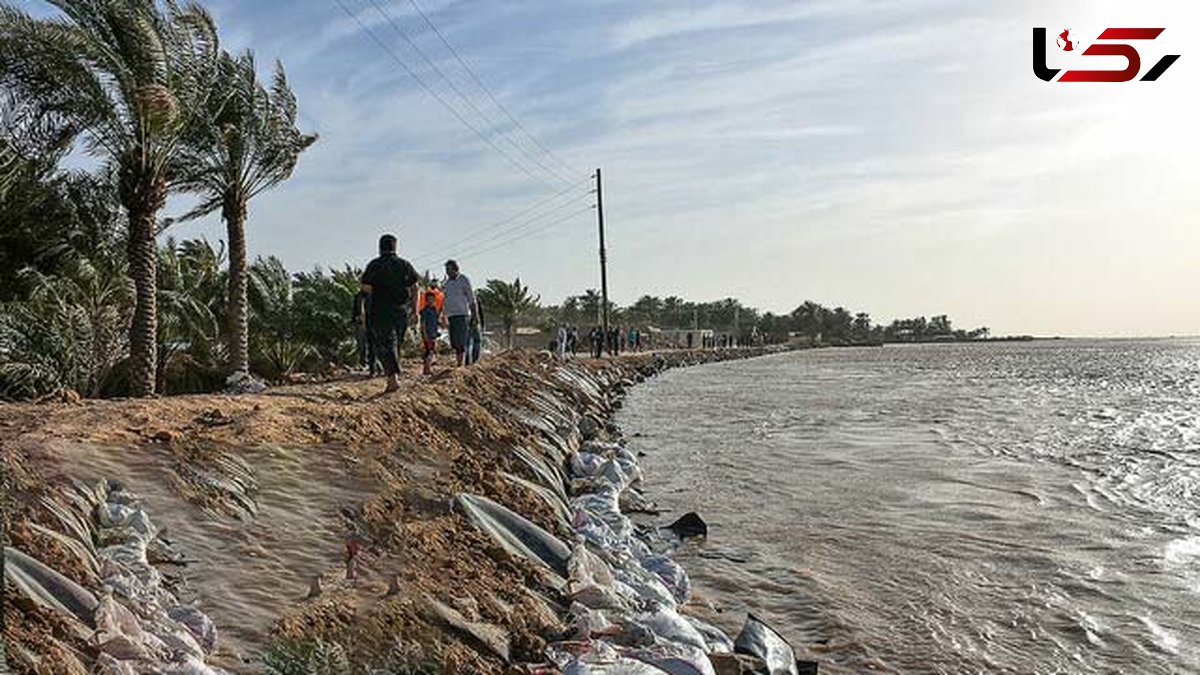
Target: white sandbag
{"x": 602, "y": 448}
{"x": 612, "y": 472}
{"x": 649, "y": 589}
{"x": 718, "y": 641}
{"x": 671, "y": 574}
{"x": 672, "y": 627}
{"x": 114, "y": 618}
{"x": 178, "y": 641}
{"x": 515, "y": 533}
{"x": 198, "y": 624}
{"x": 47, "y": 587}
{"x": 587, "y": 623}
{"x": 630, "y": 466}
{"x": 586, "y": 464}
{"x": 676, "y": 659}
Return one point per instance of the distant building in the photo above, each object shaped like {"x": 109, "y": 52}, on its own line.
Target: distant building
{"x": 530, "y": 337}
{"x": 678, "y": 338}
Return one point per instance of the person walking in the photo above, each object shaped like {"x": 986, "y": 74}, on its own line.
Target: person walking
{"x": 391, "y": 283}
{"x": 597, "y": 338}
{"x": 475, "y": 337}
{"x": 430, "y": 318}
{"x": 460, "y": 307}
{"x": 431, "y": 295}
{"x": 362, "y": 337}
{"x": 560, "y": 342}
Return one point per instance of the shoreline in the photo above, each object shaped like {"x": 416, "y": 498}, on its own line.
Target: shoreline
{"x": 419, "y": 557}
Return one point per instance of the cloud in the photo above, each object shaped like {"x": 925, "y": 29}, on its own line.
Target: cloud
{"x": 893, "y": 156}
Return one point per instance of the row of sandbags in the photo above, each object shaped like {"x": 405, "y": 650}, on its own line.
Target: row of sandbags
{"x": 123, "y": 610}
{"x": 624, "y": 589}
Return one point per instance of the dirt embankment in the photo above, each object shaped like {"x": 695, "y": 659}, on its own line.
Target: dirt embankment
{"x": 261, "y": 493}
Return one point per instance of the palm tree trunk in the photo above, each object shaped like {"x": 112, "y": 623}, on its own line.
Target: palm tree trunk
{"x": 238, "y": 320}
{"x": 143, "y": 268}
{"x": 142, "y": 194}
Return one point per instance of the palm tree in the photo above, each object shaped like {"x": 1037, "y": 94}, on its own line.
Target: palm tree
{"x": 132, "y": 77}
{"x": 507, "y": 302}
{"x": 248, "y": 143}
{"x": 672, "y": 312}
{"x": 190, "y": 294}
{"x": 589, "y": 305}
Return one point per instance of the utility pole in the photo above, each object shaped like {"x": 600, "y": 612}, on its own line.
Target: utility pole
{"x": 603, "y": 255}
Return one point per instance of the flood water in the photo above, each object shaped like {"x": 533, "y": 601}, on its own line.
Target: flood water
{"x": 1000, "y": 508}
{"x": 245, "y": 574}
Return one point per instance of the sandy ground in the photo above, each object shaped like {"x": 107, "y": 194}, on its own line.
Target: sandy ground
{"x": 391, "y": 462}
{"x": 327, "y": 459}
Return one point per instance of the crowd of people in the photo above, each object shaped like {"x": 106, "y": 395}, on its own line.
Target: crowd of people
{"x": 391, "y": 300}
{"x": 394, "y": 299}
{"x": 613, "y": 342}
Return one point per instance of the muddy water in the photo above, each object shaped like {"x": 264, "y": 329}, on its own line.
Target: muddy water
{"x": 1020, "y": 508}
{"x": 244, "y": 574}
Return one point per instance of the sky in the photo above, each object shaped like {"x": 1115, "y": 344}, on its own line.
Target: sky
{"x": 896, "y": 157}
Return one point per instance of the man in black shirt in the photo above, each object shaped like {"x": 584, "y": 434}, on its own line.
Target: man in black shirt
{"x": 391, "y": 282}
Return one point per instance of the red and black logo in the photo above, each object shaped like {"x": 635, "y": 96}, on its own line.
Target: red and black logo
{"x": 1105, "y": 45}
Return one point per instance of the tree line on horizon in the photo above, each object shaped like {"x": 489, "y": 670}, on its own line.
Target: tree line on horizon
{"x": 811, "y": 320}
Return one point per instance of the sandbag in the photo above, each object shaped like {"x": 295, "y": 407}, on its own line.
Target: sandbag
{"x": 760, "y": 640}
{"x": 515, "y": 533}
{"x": 676, "y": 659}
{"x": 586, "y": 464}
{"x": 198, "y": 624}
{"x": 591, "y": 582}
{"x": 672, "y": 627}
{"x": 649, "y": 589}
{"x": 587, "y": 622}
{"x": 671, "y": 574}
{"x": 49, "y": 588}
{"x": 114, "y": 619}
{"x": 548, "y": 475}
{"x": 718, "y": 642}
{"x": 546, "y": 495}
{"x": 82, "y": 552}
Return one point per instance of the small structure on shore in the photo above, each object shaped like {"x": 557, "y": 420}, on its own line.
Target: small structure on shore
{"x": 685, "y": 338}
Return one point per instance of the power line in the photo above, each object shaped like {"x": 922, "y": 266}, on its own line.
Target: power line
{"x": 470, "y": 71}
{"x": 502, "y": 234}
{"x": 505, "y": 232}
{"x": 539, "y": 230}
{"x": 471, "y": 234}
{"x": 395, "y": 57}
{"x": 440, "y": 73}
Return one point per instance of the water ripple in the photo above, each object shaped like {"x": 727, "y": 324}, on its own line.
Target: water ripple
{"x": 1022, "y": 508}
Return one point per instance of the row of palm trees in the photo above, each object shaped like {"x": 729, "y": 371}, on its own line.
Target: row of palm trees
{"x": 146, "y": 87}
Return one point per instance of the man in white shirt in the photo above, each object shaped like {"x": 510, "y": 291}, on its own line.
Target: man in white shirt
{"x": 459, "y": 308}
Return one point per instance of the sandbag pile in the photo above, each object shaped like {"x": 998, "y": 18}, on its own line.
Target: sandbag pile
{"x": 126, "y": 613}
{"x": 624, "y": 590}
